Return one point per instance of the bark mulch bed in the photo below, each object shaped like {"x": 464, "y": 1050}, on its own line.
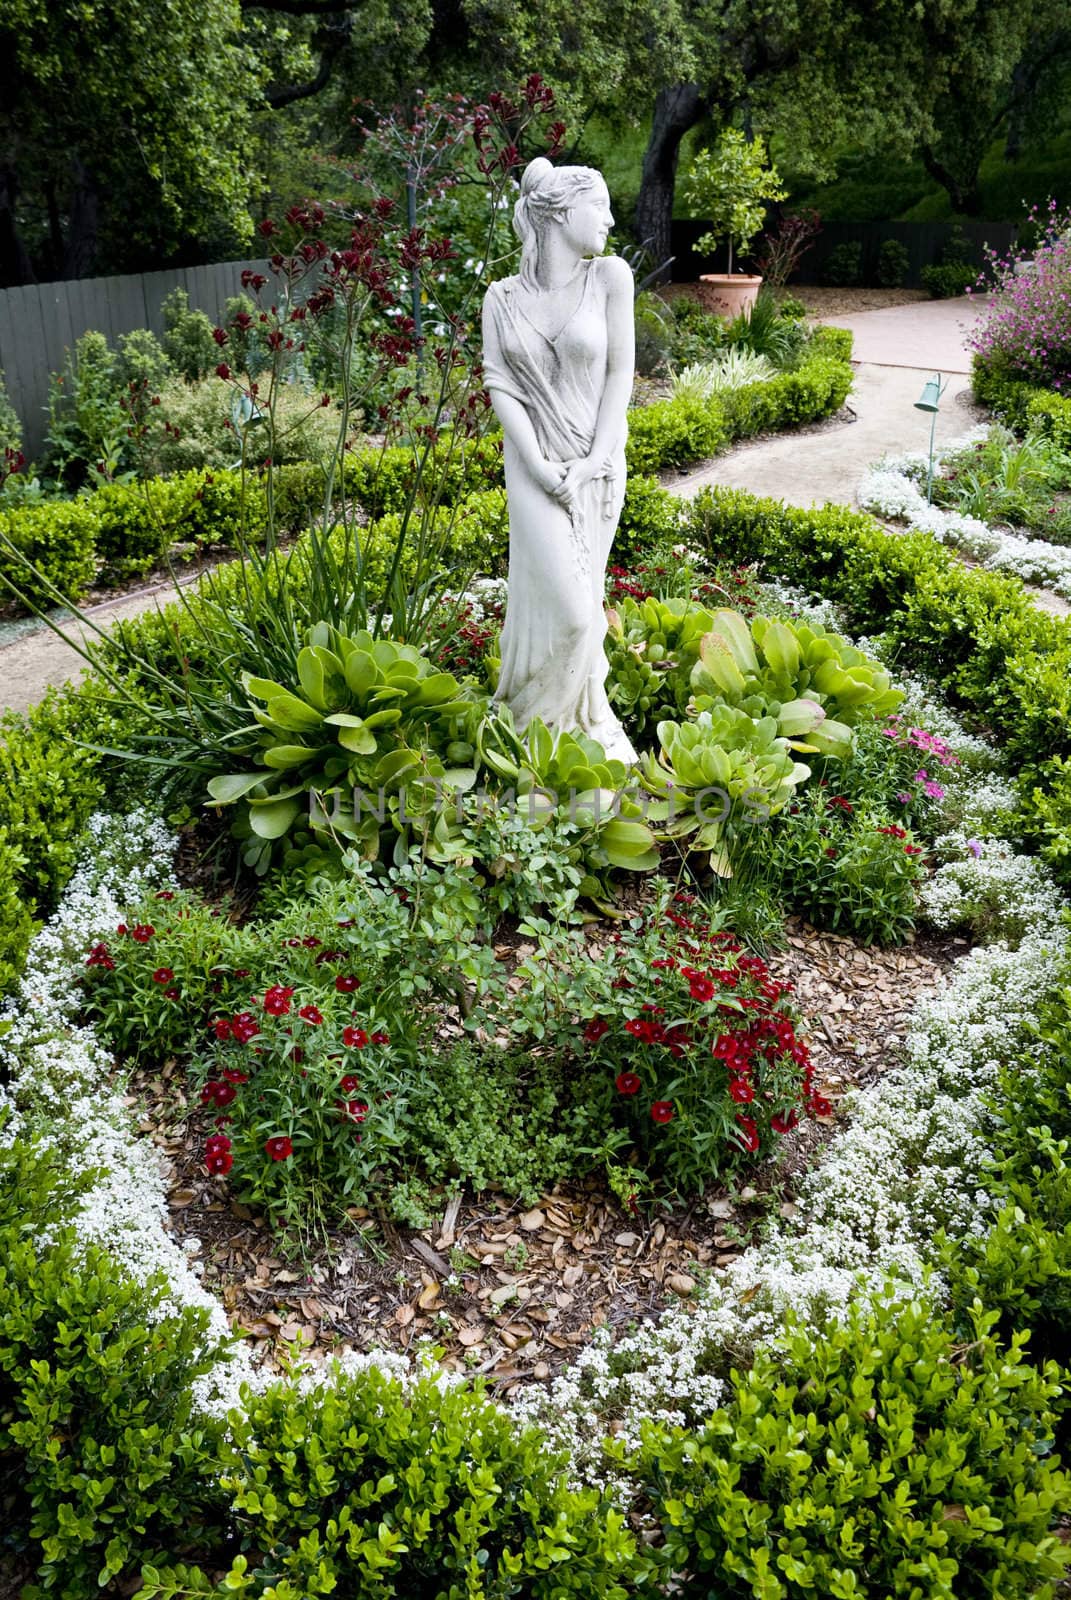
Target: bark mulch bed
{"x": 514, "y": 1291}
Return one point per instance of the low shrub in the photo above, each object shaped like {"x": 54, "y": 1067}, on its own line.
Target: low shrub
{"x": 1021, "y": 1266}
{"x": 376, "y": 1491}
{"x": 50, "y": 783}
{"x": 673, "y": 433}
{"x": 188, "y": 341}
{"x": 102, "y": 1464}
{"x": 843, "y": 267}
{"x": 893, "y": 262}
{"x": 58, "y": 541}
{"x": 947, "y": 281}
{"x": 1026, "y": 328}
{"x": 881, "y": 1457}
{"x": 847, "y": 868}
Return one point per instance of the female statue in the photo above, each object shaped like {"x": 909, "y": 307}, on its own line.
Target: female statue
{"x": 558, "y": 363}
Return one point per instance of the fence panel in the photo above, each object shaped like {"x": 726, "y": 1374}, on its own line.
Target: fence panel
{"x": 40, "y": 322}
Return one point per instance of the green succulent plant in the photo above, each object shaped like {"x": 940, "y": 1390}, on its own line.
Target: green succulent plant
{"x": 367, "y": 717}
{"x": 725, "y": 771}
{"x": 814, "y": 684}
{"x": 570, "y": 774}
{"x": 652, "y": 646}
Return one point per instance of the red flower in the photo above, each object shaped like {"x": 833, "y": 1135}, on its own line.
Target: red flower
{"x": 219, "y": 1162}
{"x": 165, "y": 894}
{"x": 163, "y": 975}
{"x": 741, "y": 1091}
{"x": 701, "y": 988}
{"x": 217, "y": 1141}
{"x": 279, "y": 1148}
{"x": 350, "y": 1084}
{"x": 354, "y": 1110}
{"x": 223, "y": 371}
{"x": 122, "y": 928}
{"x": 172, "y": 994}
{"x": 347, "y": 984}
{"x": 662, "y": 1111}
{"x": 222, "y": 1028}
{"x": 143, "y": 932}
{"x": 912, "y": 849}
{"x": 99, "y": 957}
{"x": 381, "y": 1038}
{"x": 243, "y": 1027}
{"x": 627, "y": 1083}
{"x": 784, "y": 1121}
{"x": 595, "y": 1030}
{"x": 277, "y": 1001}
{"x": 820, "y": 1106}
{"x": 747, "y": 1133}
{"x": 726, "y": 1046}
{"x": 311, "y": 1014}
{"x": 354, "y": 1038}
{"x": 217, "y": 1093}
{"x": 232, "y": 1075}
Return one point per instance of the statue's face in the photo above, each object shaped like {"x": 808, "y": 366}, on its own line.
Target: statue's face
{"x": 587, "y": 224}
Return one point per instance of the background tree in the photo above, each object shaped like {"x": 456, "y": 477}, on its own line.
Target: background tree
{"x": 124, "y": 132}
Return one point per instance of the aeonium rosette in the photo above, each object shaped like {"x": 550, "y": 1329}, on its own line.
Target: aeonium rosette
{"x": 304, "y": 1100}
{"x": 698, "y": 1044}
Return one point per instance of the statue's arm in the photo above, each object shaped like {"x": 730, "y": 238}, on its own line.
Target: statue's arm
{"x": 612, "y": 425}
{"x": 513, "y": 415}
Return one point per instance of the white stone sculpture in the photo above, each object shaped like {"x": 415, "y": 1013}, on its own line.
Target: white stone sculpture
{"x": 558, "y": 363}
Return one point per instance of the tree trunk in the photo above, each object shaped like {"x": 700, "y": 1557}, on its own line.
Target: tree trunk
{"x": 15, "y": 264}
{"x": 81, "y": 252}
{"x": 677, "y": 109}
{"x": 964, "y": 193}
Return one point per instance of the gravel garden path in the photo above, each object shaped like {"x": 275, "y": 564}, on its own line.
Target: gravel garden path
{"x": 897, "y": 347}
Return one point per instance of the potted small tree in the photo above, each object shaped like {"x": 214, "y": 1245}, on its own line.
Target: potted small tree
{"x": 730, "y": 183}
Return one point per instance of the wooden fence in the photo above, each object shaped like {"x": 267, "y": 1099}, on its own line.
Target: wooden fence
{"x": 40, "y": 322}
{"x": 923, "y": 241}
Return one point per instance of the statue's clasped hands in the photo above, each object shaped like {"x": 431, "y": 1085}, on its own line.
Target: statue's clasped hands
{"x": 575, "y": 476}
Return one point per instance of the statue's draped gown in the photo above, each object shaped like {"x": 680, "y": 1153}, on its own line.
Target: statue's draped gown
{"x": 554, "y": 665}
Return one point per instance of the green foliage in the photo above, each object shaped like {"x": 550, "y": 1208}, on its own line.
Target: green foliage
{"x": 654, "y": 334}
{"x": 851, "y": 870}
{"x": 814, "y": 684}
{"x": 200, "y": 412}
{"x": 946, "y": 282}
{"x": 843, "y": 266}
{"x": 87, "y": 440}
{"x": 1008, "y": 663}
{"x": 46, "y": 547}
{"x": 10, "y": 426}
{"x": 766, "y": 331}
{"x": 1021, "y": 1266}
{"x": 893, "y": 262}
{"x": 650, "y": 518}
{"x": 652, "y": 646}
{"x": 101, "y": 1461}
{"x": 362, "y": 718}
{"x": 380, "y": 1491}
{"x": 188, "y": 341}
{"x": 49, "y": 786}
{"x": 87, "y": 89}
{"x": 501, "y": 1119}
{"x": 729, "y": 185}
{"x": 673, "y": 433}
{"x": 817, "y": 388}
{"x": 881, "y": 1457}
{"x": 141, "y": 360}
{"x": 718, "y": 776}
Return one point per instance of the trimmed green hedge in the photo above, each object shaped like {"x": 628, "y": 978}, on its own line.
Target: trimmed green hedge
{"x": 976, "y": 632}
{"x": 59, "y": 538}
{"x": 50, "y": 784}
{"x": 128, "y": 529}
{"x": 884, "y": 1457}
{"x": 1021, "y": 405}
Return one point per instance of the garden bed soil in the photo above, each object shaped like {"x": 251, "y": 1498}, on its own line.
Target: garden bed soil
{"x": 823, "y": 300}
{"x": 514, "y": 1291}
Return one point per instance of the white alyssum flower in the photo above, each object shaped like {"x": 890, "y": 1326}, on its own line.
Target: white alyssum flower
{"x": 985, "y": 888}
{"x": 890, "y": 490}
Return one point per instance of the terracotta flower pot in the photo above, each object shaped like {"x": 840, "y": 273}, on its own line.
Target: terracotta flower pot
{"x": 728, "y": 293}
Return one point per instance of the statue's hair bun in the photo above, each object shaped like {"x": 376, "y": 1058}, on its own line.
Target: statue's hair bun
{"x": 535, "y": 173}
